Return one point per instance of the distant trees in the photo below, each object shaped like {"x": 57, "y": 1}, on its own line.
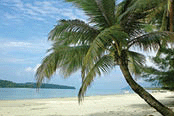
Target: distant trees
{"x": 10, "y": 84}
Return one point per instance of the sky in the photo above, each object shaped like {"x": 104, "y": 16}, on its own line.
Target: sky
{"x": 24, "y": 28}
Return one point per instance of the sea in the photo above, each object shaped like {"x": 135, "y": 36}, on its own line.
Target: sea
{"x": 30, "y": 93}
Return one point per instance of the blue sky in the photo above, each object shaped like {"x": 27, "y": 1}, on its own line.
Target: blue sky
{"x": 24, "y": 28}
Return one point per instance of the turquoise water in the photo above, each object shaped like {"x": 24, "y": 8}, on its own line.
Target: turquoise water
{"x": 27, "y": 93}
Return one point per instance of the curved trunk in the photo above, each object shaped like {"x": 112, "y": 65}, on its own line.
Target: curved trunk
{"x": 165, "y": 111}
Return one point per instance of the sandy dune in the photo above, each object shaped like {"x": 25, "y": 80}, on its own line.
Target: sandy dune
{"x": 110, "y": 105}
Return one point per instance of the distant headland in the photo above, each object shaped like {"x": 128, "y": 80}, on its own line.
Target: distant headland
{"x": 10, "y": 84}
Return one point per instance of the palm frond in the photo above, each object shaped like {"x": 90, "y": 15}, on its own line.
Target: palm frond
{"x": 130, "y": 21}
{"x": 155, "y": 10}
{"x": 104, "y": 64}
{"x": 151, "y": 41}
{"x": 47, "y": 68}
{"x": 101, "y": 12}
{"x": 136, "y": 62}
{"x": 134, "y": 14}
{"x": 66, "y": 59}
{"x": 72, "y": 32}
{"x": 140, "y": 5}
{"x": 157, "y": 14}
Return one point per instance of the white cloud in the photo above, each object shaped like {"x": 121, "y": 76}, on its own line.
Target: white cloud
{"x": 15, "y": 60}
{"x": 22, "y": 52}
{"x": 37, "y": 18}
{"x": 29, "y": 69}
{"x": 17, "y": 44}
{"x": 32, "y": 44}
{"x": 10, "y": 16}
{"x": 41, "y": 10}
{"x": 32, "y": 69}
{"x": 31, "y": 12}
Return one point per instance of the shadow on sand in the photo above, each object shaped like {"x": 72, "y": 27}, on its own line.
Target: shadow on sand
{"x": 148, "y": 111}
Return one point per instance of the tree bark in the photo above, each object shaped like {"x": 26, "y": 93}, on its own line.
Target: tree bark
{"x": 171, "y": 15}
{"x": 165, "y": 111}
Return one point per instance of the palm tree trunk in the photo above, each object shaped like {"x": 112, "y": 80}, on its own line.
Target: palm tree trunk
{"x": 165, "y": 111}
{"x": 171, "y": 15}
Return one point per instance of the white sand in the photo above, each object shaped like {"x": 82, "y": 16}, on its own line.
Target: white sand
{"x": 110, "y": 105}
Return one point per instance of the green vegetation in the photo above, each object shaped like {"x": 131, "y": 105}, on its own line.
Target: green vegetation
{"x": 163, "y": 70}
{"x": 10, "y": 84}
{"x": 108, "y": 40}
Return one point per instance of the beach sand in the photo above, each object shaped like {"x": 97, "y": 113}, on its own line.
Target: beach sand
{"x": 109, "y": 105}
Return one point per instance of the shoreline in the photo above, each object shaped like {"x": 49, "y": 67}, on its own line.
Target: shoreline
{"x": 22, "y": 94}
{"x": 105, "y": 105}
{"x": 121, "y": 93}
{"x": 102, "y": 95}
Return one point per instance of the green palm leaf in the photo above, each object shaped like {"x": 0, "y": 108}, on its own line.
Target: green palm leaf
{"x": 98, "y": 11}
{"x": 141, "y": 5}
{"x": 136, "y": 62}
{"x": 66, "y": 59}
{"x": 104, "y": 64}
{"x": 130, "y": 20}
{"x": 72, "y": 32}
{"x": 151, "y": 41}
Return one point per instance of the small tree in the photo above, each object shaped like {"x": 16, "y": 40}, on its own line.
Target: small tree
{"x": 160, "y": 12}
{"x": 162, "y": 73}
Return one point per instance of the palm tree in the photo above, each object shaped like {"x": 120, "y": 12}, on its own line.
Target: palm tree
{"x": 164, "y": 8}
{"x": 99, "y": 47}
{"x": 160, "y": 12}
